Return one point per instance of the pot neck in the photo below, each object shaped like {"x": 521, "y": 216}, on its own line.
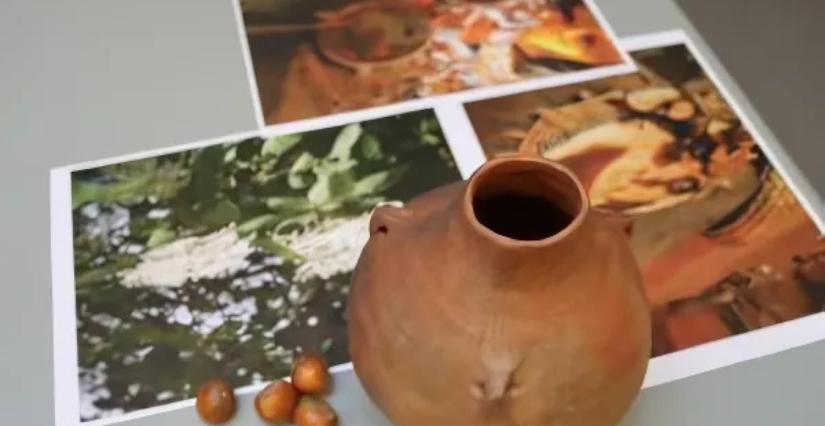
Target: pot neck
{"x": 517, "y": 211}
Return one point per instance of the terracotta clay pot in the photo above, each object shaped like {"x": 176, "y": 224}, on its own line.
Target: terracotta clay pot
{"x": 502, "y": 300}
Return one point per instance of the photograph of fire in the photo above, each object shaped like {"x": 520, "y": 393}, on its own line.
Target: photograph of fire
{"x": 724, "y": 245}
{"x": 322, "y": 57}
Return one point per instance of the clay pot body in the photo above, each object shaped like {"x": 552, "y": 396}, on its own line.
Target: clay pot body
{"x": 501, "y": 300}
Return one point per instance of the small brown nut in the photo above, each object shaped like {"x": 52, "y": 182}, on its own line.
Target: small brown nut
{"x": 311, "y": 374}
{"x": 313, "y": 411}
{"x": 216, "y": 401}
{"x": 276, "y": 402}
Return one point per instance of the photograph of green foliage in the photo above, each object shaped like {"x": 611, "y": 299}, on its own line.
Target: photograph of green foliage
{"x": 228, "y": 260}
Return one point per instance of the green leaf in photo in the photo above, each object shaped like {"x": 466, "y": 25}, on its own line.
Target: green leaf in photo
{"x": 331, "y": 167}
{"x": 320, "y": 192}
{"x": 184, "y": 213}
{"x": 92, "y": 276}
{"x": 161, "y": 236}
{"x": 231, "y": 155}
{"x": 300, "y": 175}
{"x": 248, "y": 150}
{"x": 129, "y": 190}
{"x": 288, "y": 205}
{"x": 279, "y": 249}
{"x": 278, "y": 145}
{"x": 206, "y": 171}
{"x": 84, "y": 192}
{"x": 329, "y": 188}
{"x": 299, "y": 180}
{"x": 431, "y": 139}
{"x": 176, "y": 337}
{"x": 346, "y": 139}
{"x": 297, "y": 222}
{"x": 367, "y": 202}
{"x": 260, "y": 222}
{"x": 377, "y": 182}
{"x": 330, "y": 206}
{"x": 220, "y": 214}
{"x": 371, "y": 147}
{"x": 131, "y": 169}
{"x": 429, "y": 125}
{"x": 326, "y": 345}
{"x": 341, "y": 185}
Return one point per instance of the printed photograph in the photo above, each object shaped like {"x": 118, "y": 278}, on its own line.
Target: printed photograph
{"x": 228, "y": 260}
{"x": 724, "y": 245}
{"x": 319, "y": 57}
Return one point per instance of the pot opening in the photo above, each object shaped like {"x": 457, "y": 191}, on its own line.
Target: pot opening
{"x": 526, "y": 201}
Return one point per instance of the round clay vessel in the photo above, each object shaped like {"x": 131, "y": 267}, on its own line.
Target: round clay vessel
{"x": 501, "y": 300}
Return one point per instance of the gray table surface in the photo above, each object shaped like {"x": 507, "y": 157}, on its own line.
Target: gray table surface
{"x": 87, "y": 79}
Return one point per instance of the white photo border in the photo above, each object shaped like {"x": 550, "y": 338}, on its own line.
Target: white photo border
{"x": 460, "y": 97}
{"x": 257, "y": 106}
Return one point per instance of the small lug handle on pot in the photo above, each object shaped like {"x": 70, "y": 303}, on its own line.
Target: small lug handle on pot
{"x": 386, "y": 217}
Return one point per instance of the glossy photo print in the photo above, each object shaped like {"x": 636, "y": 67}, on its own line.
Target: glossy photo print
{"x": 227, "y": 260}
{"x": 313, "y": 58}
{"x": 731, "y": 259}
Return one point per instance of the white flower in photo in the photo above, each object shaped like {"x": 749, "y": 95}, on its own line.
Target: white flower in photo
{"x": 102, "y": 223}
{"x": 106, "y": 320}
{"x": 159, "y": 213}
{"x": 133, "y": 389}
{"x": 282, "y": 324}
{"x": 93, "y": 388}
{"x": 242, "y": 311}
{"x": 275, "y": 303}
{"x": 181, "y": 315}
{"x": 215, "y": 255}
{"x": 165, "y": 395}
{"x": 207, "y": 322}
{"x": 253, "y": 281}
{"x": 332, "y": 247}
{"x": 137, "y": 356}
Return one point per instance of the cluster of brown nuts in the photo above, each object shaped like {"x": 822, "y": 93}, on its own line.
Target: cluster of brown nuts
{"x": 281, "y": 402}
{"x": 300, "y": 401}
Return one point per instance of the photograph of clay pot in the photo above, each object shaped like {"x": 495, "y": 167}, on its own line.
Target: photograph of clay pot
{"x": 710, "y": 214}
{"x": 500, "y": 300}
{"x": 318, "y": 57}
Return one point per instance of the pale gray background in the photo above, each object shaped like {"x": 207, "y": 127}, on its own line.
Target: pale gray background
{"x": 89, "y": 79}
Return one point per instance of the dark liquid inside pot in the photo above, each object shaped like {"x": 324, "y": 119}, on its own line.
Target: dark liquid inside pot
{"x": 521, "y": 217}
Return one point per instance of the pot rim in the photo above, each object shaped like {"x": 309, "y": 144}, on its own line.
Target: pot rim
{"x": 572, "y": 187}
